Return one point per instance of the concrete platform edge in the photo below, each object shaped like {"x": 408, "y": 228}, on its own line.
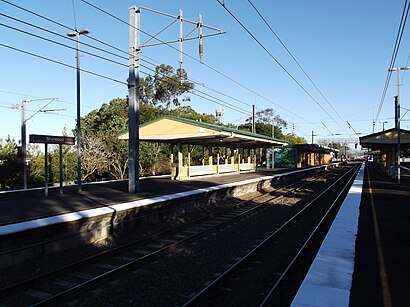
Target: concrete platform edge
{"x": 329, "y": 278}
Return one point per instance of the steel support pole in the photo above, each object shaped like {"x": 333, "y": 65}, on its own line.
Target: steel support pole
{"x": 24, "y": 142}
{"x": 398, "y": 125}
{"x": 61, "y": 167}
{"x": 46, "y": 169}
{"x": 181, "y": 38}
{"x": 253, "y": 118}
{"x": 133, "y": 96}
{"x": 79, "y": 187}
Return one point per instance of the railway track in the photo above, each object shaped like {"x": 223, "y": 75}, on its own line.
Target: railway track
{"x": 255, "y": 278}
{"x": 62, "y": 285}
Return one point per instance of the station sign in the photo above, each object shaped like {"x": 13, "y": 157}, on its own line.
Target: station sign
{"x": 52, "y": 139}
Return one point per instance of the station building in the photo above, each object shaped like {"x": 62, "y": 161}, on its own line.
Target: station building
{"x": 307, "y": 155}
{"x": 239, "y": 147}
{"x": 383, "y": 148}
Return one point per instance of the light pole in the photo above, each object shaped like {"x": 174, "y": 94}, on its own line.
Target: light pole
{"x": 398, "y": 69}
{"x": 23, "y": 141}
{"x": 23, "y": 130}
{"x": 77, "y": 34}
{"x": 384, "y": 122}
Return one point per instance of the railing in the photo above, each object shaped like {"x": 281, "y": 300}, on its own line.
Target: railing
{"x": 198, "y": 170}
{"x": 226, "y": 168}
{"x": 246, "y": 167}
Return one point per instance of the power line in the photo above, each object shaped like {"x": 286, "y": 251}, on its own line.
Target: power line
{"x": 193, "y": 58}
{"x": 394, "y": 55}
{"x": 65, "y": 37}
{"x": 122, "y": 51}
{"x": 272, "y": 57}
{"x": 204, "y": 86}
{"x": 43, "y": 29}
{"x": 44, "y": 112}
{"x": 214, "y": 99}
{"x": 294, "y": 59}
{"x": 40, "y": 37}
{"x": 61, "y": 63}
{"x": 61, "y": 44}
{"x": 219, "y": 103}
{"x": 67, "y": 28}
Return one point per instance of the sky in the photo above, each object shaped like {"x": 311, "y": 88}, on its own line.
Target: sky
{"x": 344, "y": 47}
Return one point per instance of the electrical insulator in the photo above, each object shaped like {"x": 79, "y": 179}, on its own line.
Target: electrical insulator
{"x": 201, "y": 50}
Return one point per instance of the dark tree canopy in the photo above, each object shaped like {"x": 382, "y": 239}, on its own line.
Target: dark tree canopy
{"x": 165, "y": 87}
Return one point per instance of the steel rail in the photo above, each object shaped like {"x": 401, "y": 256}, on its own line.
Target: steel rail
{"x": 94, "y": 258}
{"x": 308, "y": 240}
{"x": 198, "y": 296}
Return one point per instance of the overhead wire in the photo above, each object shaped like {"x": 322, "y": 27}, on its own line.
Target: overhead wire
{"x": 273, "y": 58}
{"x": 104, "y": 58}
{"x": 294, "y": 59}
{"x": 63, "y": 36}
{"x": 111, "y": 46}
{"x": 194, "y": 59}
{"x": 204, "y": 86}
{"x": 61, "y": 63}
{"x": 44, "y": 112}
{"x": 394, "y": 56}
{"x": 61, "y": 44}
{"x": 224, "y": 103}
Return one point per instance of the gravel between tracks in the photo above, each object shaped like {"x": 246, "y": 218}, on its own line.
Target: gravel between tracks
{"x": 171, "y": 280}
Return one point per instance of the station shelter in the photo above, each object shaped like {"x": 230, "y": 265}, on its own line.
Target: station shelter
{"x": 384, "y": 146}
{"x": 239, "y": 145}
{"x": 312, "y": 155}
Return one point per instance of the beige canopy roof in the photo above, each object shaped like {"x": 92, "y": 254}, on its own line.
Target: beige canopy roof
{"x": 171, "y": 129}
{"x": 385, "y": 138}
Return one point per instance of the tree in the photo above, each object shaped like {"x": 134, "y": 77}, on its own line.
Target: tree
{"x": 99, "y": 135}
{"x": 294, "y": 139}
{"x": 264, "y": 120}
{"x": 165, "y": 87}
{"x": 93, "y": 156}
{"x": 36, "y": 164}
{"x": 10, "y": 165}
{"x": 189, "y": 113}
{"x": 268, "y": 116}
{"x": 169, "y": 86}
{"x": 69, "y": 163}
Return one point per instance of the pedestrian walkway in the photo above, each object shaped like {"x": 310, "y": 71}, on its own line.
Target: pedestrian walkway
{"x": 365, "y": 259}
{"x": 20, "y": 206}
{"x": 382, "y": 263}
{"x": 329, "y": 278}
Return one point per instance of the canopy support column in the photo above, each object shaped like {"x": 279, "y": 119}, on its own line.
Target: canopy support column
{"x": 180, "y": 157}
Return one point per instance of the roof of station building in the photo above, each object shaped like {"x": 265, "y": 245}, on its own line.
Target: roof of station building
{"x": 172, "y": 129}
{"x": 314, "y": 148}
{"x": 385, "y": 138}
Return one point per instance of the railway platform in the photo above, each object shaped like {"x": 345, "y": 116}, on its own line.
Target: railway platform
{"x": 365, "y": 258}
{"x": 364, "y": 261}
{"x": 19, "y": 206}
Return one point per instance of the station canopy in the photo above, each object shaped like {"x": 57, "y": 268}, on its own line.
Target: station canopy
{"x": 177, "y": 130}
{"x": 387, "y": 138}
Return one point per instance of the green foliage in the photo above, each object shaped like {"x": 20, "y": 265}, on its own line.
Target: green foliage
{"x": 165, "y": 87}
{"x": 263, "y": 124}
{"x": 287, "y": 157}
{"x": 189, "y": 113}
{"x": 268, "y": 117}
{"x": 100, "y": 127}
{"x": 10, "y": 165}
{"x": 294, "y": 139}
{"x": 36, "y": 164}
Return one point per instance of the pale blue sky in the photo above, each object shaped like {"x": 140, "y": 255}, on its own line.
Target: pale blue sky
{"x": 344, "y": 46}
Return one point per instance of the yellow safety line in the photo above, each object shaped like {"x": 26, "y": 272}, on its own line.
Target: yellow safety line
{"x": 380, "y": 257}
